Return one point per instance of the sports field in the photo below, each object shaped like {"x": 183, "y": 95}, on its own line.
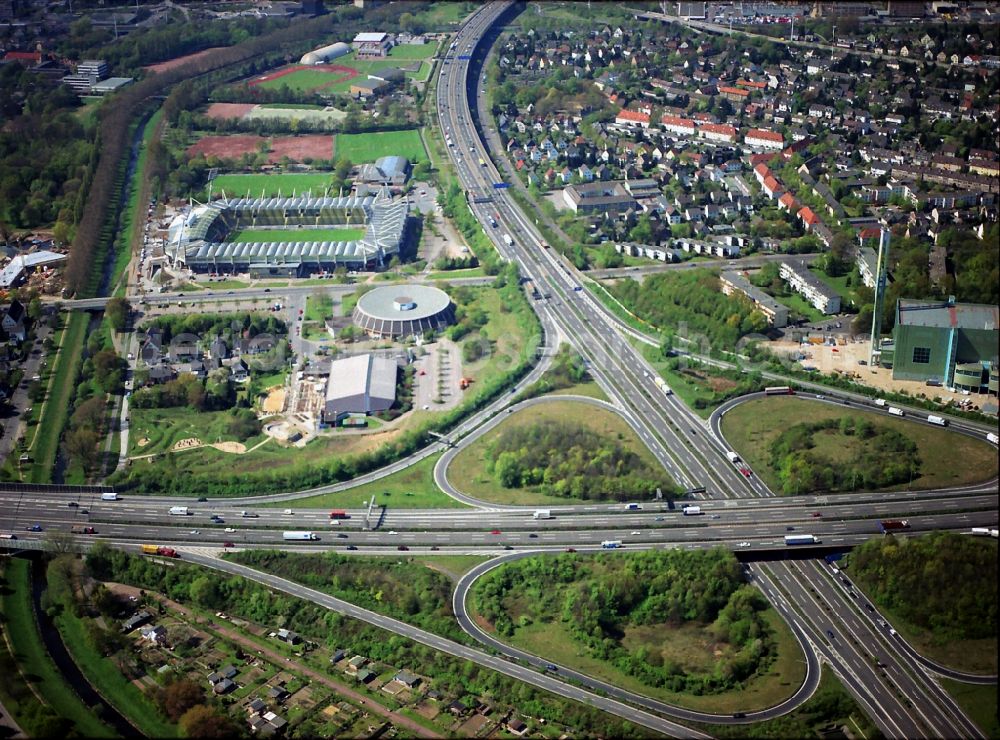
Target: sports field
{"x": 362, "y": 148}
{"x": 237, "y": 186}
{"x": 337, "y": 77}
{"x": 297, "y": 235}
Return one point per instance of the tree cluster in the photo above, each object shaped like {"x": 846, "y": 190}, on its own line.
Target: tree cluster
{"x": 250, "y": 600}
{"x": 883, "y": 457}
{"x": 402, "y": 589}
{"x": 597, "y": 600}
{"x": 943, "y": 582}
{"x": 692, "y": 301}
{"x": 575, "y": 462}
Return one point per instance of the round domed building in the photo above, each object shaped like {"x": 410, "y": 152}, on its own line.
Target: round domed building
{"x": 400, "y": 311}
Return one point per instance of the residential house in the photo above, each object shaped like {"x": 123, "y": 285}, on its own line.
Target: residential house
{"x": 13, "y": 321}
{"x": 814, "y": 290}
{"x": 761, "y": 139}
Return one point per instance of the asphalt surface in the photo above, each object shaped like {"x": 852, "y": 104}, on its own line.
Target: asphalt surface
{"x": 737, "y": 508}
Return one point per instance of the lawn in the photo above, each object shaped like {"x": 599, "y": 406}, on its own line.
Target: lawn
{"x": 412, "y": 488}
{"x": 799, "y": 305}
{"x": 299, "y": 235}
{"x": 32, "y": 657}
{"x": 446, "y": 14}
{"x": 979, "y": 702}
{"x": 161, "y": 429}
{"x": 319, "y": 307}
{"x": 412, "y": 51}
{"x": 57, "y": 399}
{"x": 238, "y": 186}
{"x": 948, "y": 459}
{"x": 362, "y": 148}
{"x": 334, "y": 81}
{"x": 467, "y": 471}
{"x": 687, "y": 645}
{"x": 456, "y": 274}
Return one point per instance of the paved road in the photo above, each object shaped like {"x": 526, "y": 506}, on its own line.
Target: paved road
{"x": 529, "y": 675}
{"x": 468, "y": 624}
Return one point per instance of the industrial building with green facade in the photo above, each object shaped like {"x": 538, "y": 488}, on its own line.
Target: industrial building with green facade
{"x": 952, "y": 343}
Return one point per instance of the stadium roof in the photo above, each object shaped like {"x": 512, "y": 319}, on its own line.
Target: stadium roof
{"x": 386, "y": 221}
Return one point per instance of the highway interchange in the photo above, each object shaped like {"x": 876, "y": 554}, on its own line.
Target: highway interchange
{"x": 896, "y": 686}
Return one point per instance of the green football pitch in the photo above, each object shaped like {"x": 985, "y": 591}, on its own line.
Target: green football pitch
{"x": 297, "y": 235}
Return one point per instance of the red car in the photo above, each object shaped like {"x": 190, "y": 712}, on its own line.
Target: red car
{"x": 494, "y": 531}
{"x": 816, "y": 513}
{"x": 229, "y": 544}
{"x": 746, "y": 472}
{"x": 570, "y": 549}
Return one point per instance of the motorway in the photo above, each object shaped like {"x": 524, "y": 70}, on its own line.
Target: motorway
{"x": 737, "y": 508}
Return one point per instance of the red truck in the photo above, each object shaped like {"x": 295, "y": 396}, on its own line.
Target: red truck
{"x": 892, "y": 525}
{"x": 166, "y": 552}
{"x": 339, "y": 514}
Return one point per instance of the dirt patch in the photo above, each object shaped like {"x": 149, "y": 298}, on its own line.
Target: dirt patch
{"x": 275, "y": 401}
{"x": 299, "y": 148}
{"x": 225, "y": 147}
{"x": 237, "y": 448}
{"x": 142, "y": 441}
{"x": 178, "y": 61}
{"x": 484, "y": 623}
{"x": 187, "y": 444}
{"x": 229, "y": 110}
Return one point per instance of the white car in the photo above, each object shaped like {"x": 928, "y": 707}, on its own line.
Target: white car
{"x": 744, "y": 544}
{"x": 229, "y": 530}
{"x": 637, "y": 532}
{"x": 393, "y": 531}
{"x": 195, "y": 531}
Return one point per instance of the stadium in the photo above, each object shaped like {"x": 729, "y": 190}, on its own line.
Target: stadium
{"x": 393, "y": 311}
{"x": 199, "y": 239}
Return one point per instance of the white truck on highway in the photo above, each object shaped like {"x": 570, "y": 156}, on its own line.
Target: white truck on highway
{"x": 691, "y": 510}
{"x": 109, "y": 497}
{"x": 991, "y": 437}
{"x": 298, "y": 536}
{"x": 896, "y": 411}
{"x": 178, "y": 511}
{"x": 508, "y": 240}
{"x": 543, "y": 514}
{"x": 662, "y": 385}
{"x": 939, "y": 420}
{"x": 880, "y": 402}
{"x": 611, "y": 544}
{"x": 733, "y": 457}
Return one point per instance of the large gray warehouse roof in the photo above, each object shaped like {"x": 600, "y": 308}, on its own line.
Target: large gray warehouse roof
{"x": 402, "y": 310}
{"x": 363, "y": 384}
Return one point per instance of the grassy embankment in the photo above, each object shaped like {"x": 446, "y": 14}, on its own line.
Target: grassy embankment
{"x": 33, "y": 661}
{"x": 468, "y": 470}
{"x": 947, "y": 459}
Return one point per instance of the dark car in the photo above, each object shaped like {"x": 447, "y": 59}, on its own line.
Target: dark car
{"x": 402, "y": 547}
{"x": 789, "y": 529}
{"x": 202, "y": 499}
{"x": 533, "y": 536}
{"x": 435, "y": 547}
{"x": 739, "y": 715}
{"x": 352, "y": 547}
{"x": 229, "y": 544}
{"x": 73, "y": 504}
{"x": 341, "y": 535}
{"x": 508, "y": 547}
{"x": 869, "y": 607}
{"x": 830, "y": 634}
{"x": 551, "y": 667}
{"x": 33, "y": 528}
{"x": 570, "y": 549}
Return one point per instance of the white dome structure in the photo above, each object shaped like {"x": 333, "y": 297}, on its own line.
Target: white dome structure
{"x": 325, "y": 53}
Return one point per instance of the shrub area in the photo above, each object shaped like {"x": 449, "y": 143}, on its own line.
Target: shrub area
{"x": 570, "y": 461}
{"x": 402, "y": 589}
{"x": 944, "y": 582}
{"x": 867, "y": 456}
{"x": 598, "y": 601}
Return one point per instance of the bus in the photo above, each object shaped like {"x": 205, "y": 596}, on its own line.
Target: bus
{"x": 779, "y": 390}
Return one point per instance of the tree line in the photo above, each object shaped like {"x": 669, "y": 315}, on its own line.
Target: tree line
{"x": 596, "y": 600}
